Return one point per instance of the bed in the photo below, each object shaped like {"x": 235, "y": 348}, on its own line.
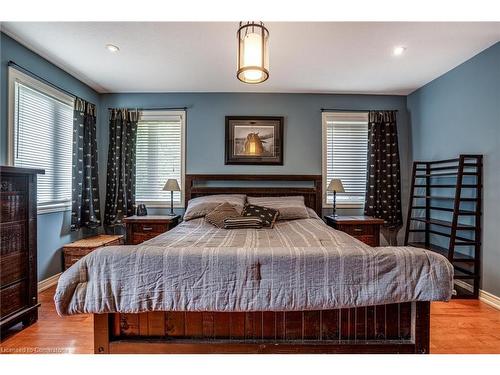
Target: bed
{"x": 301, "y": 287}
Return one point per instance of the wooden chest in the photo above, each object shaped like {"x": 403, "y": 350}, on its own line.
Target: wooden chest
{"x": 18, "y": 248}
{"x": 74, "y": 251}
{"x": 364, "y": 228}
{"x": 143, "y": 228}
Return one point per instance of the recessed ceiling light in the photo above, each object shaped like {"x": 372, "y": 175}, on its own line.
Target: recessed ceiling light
{"x": 112, "y": 48}
{"x": 399, "y": 50}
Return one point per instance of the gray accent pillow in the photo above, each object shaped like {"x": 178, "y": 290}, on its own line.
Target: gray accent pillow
{"x": 289, "y": 208}
{"x": 201, "y": 206}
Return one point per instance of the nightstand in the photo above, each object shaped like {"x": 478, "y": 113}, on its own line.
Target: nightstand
{"x": 143, "y": 228}
{"x": 364, "y": 228}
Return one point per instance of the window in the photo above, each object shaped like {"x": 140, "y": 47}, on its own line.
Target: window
{"x": 41, "y": 136}
{"x": 345, "y": 146}
{"x": 159, "y": 156}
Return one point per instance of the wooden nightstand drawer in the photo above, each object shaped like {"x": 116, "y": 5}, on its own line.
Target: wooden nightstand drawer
{"x": 143, "y": 228}
{"x": 358, "y": 229}
{"x": 369, "y": 240}
{"x": 138, "y": 238}
{"x": 364, "y": 228}
{"x": 147, "y": 228}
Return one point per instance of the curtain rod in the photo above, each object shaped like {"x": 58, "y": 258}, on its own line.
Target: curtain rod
{"x": 154, "y": 108}
{"x": 355, "y": 110}
{"x": 34, "y": 75}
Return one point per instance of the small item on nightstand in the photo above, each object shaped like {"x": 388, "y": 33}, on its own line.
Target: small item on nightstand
{"x": 142, "y": 210}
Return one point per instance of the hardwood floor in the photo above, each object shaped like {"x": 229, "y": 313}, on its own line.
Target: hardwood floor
{"x": 51, "y": 334}
{"x": 464, "y": 327}
{"x": 459, "y": 326}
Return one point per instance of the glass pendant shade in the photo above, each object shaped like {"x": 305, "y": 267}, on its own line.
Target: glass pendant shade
{"x": 253, "y": 52}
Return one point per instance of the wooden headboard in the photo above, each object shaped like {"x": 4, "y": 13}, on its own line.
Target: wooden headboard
{"x": 196, "y": 186}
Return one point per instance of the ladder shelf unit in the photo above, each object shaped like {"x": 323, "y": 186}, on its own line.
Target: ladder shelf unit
{"x": 444, "y": 215}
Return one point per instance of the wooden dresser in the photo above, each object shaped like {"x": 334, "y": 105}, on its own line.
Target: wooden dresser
{"x": 18, "y": 248}
{"x": 143, "y": 228}
{"x": 364, "y": 228}
{"x": 75, "y": 251}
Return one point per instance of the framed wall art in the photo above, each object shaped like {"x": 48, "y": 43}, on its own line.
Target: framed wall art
{"x": 254, "y": 140}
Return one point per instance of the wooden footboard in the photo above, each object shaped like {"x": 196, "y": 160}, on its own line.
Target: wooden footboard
{"x": 393, "y": 328}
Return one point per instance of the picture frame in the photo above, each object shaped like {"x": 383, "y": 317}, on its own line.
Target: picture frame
{"x": 254, "y": 140}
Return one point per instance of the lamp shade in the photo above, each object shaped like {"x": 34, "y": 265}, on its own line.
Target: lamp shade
{"x": 253, "y": 52}
{"x": 171, "y": 185}
{"x": 336, "y": 185}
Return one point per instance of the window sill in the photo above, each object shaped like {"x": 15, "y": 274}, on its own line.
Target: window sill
{"x": 344, "y": 205}
{"x": 48, "y": 209}
{"x": 159, "y": 204}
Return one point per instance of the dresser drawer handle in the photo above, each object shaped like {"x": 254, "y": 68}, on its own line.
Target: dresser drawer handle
{"x": 358, "y": 230}
{"x": 147, "y": 228}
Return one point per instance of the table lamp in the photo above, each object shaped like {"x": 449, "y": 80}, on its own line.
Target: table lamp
{"x": 336, "y": 186}
{"x": 171, "y": 185}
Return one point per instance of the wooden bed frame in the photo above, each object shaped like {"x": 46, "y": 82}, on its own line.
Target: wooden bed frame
{"x": 392, "y": 328}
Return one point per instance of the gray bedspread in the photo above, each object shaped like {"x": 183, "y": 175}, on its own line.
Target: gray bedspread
{"x": 298, "y": 265}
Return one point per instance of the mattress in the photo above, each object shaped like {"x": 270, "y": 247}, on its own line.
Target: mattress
{"x": 297, "y": 265}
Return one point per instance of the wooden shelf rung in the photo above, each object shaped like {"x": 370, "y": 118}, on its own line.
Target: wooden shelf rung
{"x": 443, "y": 223}
{"x": 446, "y": 174}
{"x": 445, "y": 209}
{"x": 465, "y": 186}
{"x": 435, "y": 197}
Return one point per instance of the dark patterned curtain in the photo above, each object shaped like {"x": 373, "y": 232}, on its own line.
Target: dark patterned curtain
{"x": 120, "y": 186}
{"x": 383, "y": 183}
{"x": 85, "y": 210}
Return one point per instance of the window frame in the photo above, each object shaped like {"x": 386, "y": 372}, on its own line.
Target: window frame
{"x": 166, "y": 204}
{"x": 16, "y": 76}
{"x": 324, "y": 157}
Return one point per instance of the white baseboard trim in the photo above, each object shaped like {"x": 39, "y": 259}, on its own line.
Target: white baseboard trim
{"x": 490, "y": 299}
{"x": 47, "y": 283}
{"x": 486, "y": 297}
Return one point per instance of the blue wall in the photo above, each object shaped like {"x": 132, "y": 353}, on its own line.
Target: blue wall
{"x": 459, "y": 113}
{"x": 53, "y": 228}
{"x": 302, "y": 112}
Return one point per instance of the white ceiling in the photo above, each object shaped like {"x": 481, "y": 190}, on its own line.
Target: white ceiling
{"x": 305, "y": 57}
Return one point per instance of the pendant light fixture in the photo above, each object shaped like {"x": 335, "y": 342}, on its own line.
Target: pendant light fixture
{"x": 253, "y": 52}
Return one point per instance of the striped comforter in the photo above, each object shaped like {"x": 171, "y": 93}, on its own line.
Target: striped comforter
{"x": 298, "y": 265}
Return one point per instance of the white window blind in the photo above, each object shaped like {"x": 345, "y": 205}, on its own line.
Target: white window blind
{"x": 345, "y": 145}
{"x": 42, "y": 138}
{"x": 159, "y": 156}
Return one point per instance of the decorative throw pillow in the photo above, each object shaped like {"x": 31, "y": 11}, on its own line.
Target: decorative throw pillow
{"x": 267, "y": 215}
{"x": 199, "y": 207}
{"x": 218, "y": 214}
{"x": 242, "y": 222}
{"x": 289, "y": 208}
